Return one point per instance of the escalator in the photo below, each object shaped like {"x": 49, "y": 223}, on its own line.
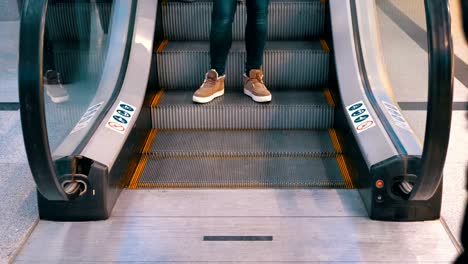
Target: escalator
{"x": 129, "y": 69}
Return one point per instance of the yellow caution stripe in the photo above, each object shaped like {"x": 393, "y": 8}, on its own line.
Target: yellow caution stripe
{"x": 324, "y": 46}
{"x": 144, "y": 158}
{"x": 162, "y": 45}
{"x": 329, "y": 97}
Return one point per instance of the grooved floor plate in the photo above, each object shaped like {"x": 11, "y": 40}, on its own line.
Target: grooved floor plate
{"x": 272, "y": 143}
{"x": 259, "y": 172}
{"x": 286, "y": 65}
{"x": 295, "y": 240}
{"x": 288, "y": 110}
{"x": 293, "y": 20}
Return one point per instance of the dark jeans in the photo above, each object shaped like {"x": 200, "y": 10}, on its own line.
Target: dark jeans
{"x": 221, "y": 32}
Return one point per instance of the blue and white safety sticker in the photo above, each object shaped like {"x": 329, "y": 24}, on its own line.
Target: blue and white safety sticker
{"x": 360, "y": 116}
{"x": 121, "y": 118}
{"x": 396, "y": 116}
{"x": 87, "y": 117}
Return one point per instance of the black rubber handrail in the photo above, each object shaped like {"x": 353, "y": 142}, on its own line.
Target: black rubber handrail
{"x": 31, "y": 97}
{"x": 440, "y": 97}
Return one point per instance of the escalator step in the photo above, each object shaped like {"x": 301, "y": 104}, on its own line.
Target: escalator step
{"x": 286, "y": 65}
{"x": 251, "y": 143}
{"x": 287, "y": 20}
{"x": 288, "y": 110}
{"x": 73, "y": 20}
{"x": 74, "y": 61}
{"x": 261, "y": 172}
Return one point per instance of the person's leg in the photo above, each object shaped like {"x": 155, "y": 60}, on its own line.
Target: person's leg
{"x": 256, "y": 33}
{"x": 221, "y": 33}
{"x": 220, "y": 43}
{"x": 255, "y": 37}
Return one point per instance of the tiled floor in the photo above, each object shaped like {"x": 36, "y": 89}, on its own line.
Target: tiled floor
{"x": 9, "y": 34}
{"x": 17, "y": 189}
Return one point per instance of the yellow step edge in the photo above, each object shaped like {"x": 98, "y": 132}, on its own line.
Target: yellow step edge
{"x": 329, "y": 97}
{"x": 162, "y": 45}
{"x": 139, "y": 170}
{"x": 345, "y": 172}
{"x": 324, "y": 46}
{"x": 340, "y": 159}
{"x": 335, "y": 141}
{"x": 142, "y": 163}
{"x": 157, "y": 98}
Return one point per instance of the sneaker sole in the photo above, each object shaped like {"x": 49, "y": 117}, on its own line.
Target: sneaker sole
{"x": 258, "y": 99}
{"x": 204, "y": 100}
{"x": 58, "y": 100}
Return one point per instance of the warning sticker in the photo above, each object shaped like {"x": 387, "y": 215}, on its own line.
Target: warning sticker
{"x": 396, "y": 116}
{"x": 87, "y": 117}
{"x": 362, "y": 120}
{"x": 121, "y": 117}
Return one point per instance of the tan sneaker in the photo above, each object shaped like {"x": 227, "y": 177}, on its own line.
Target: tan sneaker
{"x": 212, "y": 87}
{"x": 255, "y": 88}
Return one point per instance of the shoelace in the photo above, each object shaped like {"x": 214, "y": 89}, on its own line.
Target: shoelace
{"x": 256, "y": 78}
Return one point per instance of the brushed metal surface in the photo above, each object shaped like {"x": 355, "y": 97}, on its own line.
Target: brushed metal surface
{"x": 272, "y": 143}
{"x": 241, "y": 172}
{"x": 288, "y": 110}
{"x": 326, "y": 239}
{"x": 239, "y": 203}
{"x": 287, "y": 65}
{"x": 287, "y": 20}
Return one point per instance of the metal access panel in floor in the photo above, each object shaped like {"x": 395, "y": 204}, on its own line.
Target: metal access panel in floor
{"x": 224, "y": 225}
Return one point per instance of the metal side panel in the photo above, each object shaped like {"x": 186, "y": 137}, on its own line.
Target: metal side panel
{"x": 116, "y": 54}
{"x": 288, "y": 110}
{"x": 287, "y": 20}
{"x": 294, "y": 239}
{"x": 374, "y": 143}
{"x": 223, "y": 143}
{"x": 106, "y": 144}
{"x": 241, "y": 172}
{"x": 286, "y": 65}
{"x": 379, "y": 81}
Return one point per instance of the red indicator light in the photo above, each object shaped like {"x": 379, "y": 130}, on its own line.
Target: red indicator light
{"x": 379, "y": 184}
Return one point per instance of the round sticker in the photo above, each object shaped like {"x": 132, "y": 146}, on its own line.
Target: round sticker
{"x": 120, "y": 119}
{"x": 123, "y": 113}
{"x": 358, "y": 112}
{"x": 127, "y": 107}
{"x": 365, "y": 125}
{"x": 116, "y": 126}
{"x": 361, "y": 118}
{"x": 354, "y": 107}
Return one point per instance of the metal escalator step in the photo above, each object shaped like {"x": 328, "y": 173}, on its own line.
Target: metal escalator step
{"x": 72, "y": 20}
{"x": 73, "y": 61}
{"x": 252, "y": 143}
{"x": 286, "y": 65}
{"x": 287, "y": 20}
{"x": 288, "y": 110}
{"x": 261, "y": 172}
